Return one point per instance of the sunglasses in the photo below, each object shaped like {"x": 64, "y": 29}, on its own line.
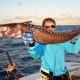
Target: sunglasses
{"x": 52, "y": 26}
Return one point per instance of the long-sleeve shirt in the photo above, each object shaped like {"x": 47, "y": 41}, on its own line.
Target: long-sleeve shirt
{"x": 53, "y": 55}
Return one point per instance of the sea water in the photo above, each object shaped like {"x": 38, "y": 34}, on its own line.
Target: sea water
{"x": 19, "y": 54}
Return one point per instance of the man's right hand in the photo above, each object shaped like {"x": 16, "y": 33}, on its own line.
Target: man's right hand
{"x": 28, "y": 37}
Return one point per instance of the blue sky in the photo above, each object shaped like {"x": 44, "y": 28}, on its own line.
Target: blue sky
{"x": 63, "y": 11}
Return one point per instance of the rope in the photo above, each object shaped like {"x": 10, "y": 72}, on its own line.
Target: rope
{"x": 20, "y": 72}
{"x": 6, "y": 77}
{"x": 24, "y": 75}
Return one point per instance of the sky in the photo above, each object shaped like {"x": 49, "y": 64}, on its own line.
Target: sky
{"x": 64, "y": 12}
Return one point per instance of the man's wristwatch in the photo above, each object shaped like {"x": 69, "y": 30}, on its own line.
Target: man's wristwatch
{"x": 32, "y": 44}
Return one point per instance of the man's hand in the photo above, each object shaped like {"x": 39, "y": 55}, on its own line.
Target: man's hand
{"x": 28, "y": 37}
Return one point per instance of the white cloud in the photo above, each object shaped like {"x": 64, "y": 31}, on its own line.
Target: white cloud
{"x": 61, "y": 19}
{"x": 68, "y": 19}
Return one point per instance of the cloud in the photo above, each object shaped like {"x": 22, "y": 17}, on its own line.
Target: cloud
{"x": 14, "y": 19}
{"x": 68, "y": 19}
{"x": 61, "y": 19}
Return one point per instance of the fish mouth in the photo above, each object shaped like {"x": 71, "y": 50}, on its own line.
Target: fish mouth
{"x": 14, "y": 35}
{"x": 14, "y": 32}
{"x": 18, "y": 34}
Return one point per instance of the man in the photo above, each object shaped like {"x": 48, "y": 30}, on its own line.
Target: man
{"x": 52, "y": 55}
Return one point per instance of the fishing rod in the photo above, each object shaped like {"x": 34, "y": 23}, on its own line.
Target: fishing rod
{"x": 11, "y": 63}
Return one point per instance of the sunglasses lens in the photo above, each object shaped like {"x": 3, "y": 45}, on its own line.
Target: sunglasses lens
{"x": 47, "y": 26}
{"x": 53, "y": 26}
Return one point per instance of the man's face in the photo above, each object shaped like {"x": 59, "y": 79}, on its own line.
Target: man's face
{"x": 50, "y": 26}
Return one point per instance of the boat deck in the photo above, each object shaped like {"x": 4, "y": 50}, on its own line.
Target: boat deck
{"x": 72, "y": 67}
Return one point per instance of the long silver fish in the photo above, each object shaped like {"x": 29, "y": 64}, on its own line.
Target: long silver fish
{"x": 40, "y": 34}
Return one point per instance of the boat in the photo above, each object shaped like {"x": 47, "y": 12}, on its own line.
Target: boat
{"x": 73, "y": 67}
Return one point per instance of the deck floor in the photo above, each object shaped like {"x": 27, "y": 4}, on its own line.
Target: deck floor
{"x": 74, "y": 68}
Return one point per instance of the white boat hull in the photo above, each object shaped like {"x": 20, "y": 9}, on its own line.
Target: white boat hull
{"x": 72, "y": 67}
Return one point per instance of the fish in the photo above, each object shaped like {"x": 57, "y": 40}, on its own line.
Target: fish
{"x": 40, "y": 34}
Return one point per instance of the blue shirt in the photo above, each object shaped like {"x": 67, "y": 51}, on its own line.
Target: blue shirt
{"x": 53, "y": 55}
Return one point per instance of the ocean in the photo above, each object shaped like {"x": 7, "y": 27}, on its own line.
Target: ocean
{"x": 19, "y": 54}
